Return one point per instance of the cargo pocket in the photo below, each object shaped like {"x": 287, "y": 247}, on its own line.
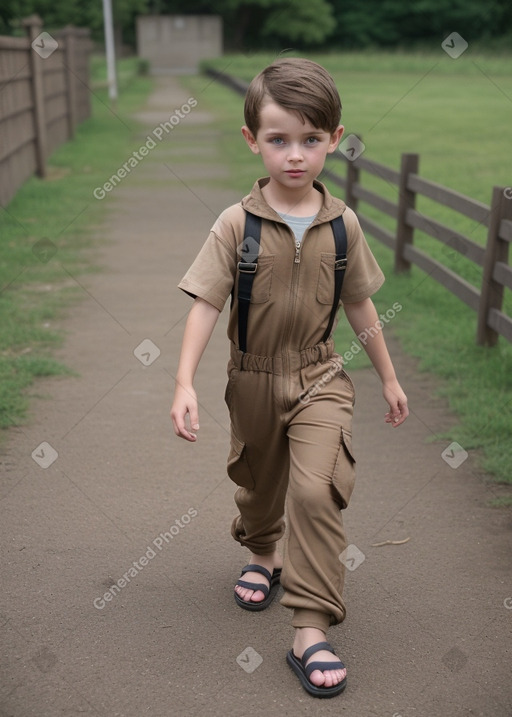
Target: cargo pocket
{"x": 325, "y": 285}
{"x": 344, "y": 474}
{"x": 237, "y": 467}
{"x": 262, "y": 286}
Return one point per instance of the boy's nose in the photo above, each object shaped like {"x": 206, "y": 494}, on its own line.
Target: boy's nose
{"x": 295, "y": 154}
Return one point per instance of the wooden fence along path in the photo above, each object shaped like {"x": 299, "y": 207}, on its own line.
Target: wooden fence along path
{"x": 493, "y": 258}
{"x": 44, "y": 95}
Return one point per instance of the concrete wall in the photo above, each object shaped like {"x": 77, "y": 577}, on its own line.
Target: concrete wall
{"x": 176, "y": 43}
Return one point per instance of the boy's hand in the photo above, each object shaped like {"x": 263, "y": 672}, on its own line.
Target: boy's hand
{"x": 185, "y": 401}
{"x": 398, "y": 410}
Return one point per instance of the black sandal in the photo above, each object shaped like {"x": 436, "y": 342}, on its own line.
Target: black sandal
{"x": 304, "y": 673}
{"x": 269, "y": 592}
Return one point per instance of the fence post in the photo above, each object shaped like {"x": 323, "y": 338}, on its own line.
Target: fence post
{"x": 491, "y": 295}
{"x": 68, "y": 34}
{"x": 406, "y": 200}
{"x": 33, "y": 25}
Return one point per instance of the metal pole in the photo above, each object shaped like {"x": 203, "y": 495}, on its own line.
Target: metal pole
{"x": 110, "y": 50}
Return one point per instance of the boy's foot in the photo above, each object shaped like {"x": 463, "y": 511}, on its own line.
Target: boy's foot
{"x": 270, "y": 562}
{"x": 306, "y": 637}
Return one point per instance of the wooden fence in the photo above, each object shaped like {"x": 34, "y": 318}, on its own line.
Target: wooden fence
{"x": 44, "y": 95}
{"x": 486, "y": 301}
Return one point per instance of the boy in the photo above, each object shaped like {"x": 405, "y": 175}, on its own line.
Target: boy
{"x": 290, "y": 401}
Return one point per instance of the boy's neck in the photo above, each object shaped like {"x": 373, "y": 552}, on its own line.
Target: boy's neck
{"x": 299, "y": 203}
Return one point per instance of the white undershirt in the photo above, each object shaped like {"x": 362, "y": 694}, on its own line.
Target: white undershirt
{"x": 298, "y": 225}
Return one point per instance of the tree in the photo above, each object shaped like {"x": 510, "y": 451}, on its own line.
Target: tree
{"x": 260, "y": 24}
{"x": 307, "y": 22}
{"x": 392, "y": 23}
{"x": 58, "y": 13}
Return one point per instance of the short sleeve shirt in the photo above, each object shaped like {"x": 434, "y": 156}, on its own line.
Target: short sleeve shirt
{"x": 292, "y": 295}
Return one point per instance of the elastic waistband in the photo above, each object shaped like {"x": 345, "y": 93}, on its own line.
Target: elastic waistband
{"x": 274, "y": 364}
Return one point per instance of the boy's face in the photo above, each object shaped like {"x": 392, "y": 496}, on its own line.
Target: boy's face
{"x": 293, "y": 153}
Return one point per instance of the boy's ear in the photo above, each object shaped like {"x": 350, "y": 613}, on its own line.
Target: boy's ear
{"x": 335, "y": 139}
{"x": 250, "y": 139}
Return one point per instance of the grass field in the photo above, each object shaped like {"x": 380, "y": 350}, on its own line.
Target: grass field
{"x": 456, "y": 114}
{"x": 45, "y": 230}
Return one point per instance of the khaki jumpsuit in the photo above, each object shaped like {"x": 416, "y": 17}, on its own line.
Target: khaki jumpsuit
{"x": 289, "y": 399}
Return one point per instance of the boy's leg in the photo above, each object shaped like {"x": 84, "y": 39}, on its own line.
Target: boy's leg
{"x": 258, "y": 463}
{"x": 321, "y": 479}
{"x": 320, "y": 465}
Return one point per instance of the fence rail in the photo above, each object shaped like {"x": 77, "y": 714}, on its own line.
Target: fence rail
{"x": 493, "y": 259}
{"x": 44, "y": 95}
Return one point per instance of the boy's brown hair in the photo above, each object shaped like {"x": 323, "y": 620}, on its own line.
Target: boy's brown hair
{"x": 298, "y": 85}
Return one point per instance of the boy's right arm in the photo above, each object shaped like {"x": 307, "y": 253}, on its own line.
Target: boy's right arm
{"x": 198, "y": 330}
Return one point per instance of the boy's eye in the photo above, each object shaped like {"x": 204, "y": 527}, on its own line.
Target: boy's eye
{"x": 312, "y": 140}
{"x": 277, "y": 140}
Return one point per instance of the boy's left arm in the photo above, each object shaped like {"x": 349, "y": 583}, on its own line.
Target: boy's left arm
{"x": 363, "y": 316}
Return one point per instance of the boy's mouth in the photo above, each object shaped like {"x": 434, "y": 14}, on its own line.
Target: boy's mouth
{"x": 295, "y": 172}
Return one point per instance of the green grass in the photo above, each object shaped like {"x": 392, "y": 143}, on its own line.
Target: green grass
{"x": 456, "y": 115}
{"x": 61, "y": 212}
{"x": 247, "y": 66}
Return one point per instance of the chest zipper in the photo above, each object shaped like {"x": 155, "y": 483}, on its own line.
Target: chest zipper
{"x": 288, "y": 326}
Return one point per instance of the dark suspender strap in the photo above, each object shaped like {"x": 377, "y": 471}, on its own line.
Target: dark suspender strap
{"x": 340, "y": 264}
{"x": 246, "y": 272}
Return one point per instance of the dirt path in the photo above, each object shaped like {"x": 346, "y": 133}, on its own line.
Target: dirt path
{"x": 429, "y": 621}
